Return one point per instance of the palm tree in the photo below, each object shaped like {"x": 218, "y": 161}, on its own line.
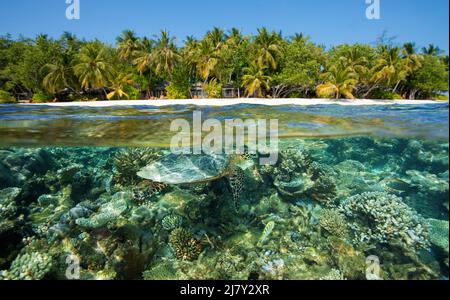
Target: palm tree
{"x": 190, "y": 46}
{"x": 93, "y": 67}
{"x": 234, "y": 37}
{"x": 143, "y": 60}
{"x": 390, "y": 67}
{"x": 118, "y": 86}
{"x": 70, "y": 43}
{"x": 143, "y": 56}
{"x": 299, "y": 38}
{"x": 165, "y": 54}
{"x": 268, "y": 48}
{"x": 413, "y": 61}
{"x": 127, "y": 43}
{"x": 255, "y": 81}
{"x": 432, "y": 50}
{"x": 57, "y": 78}
{"x": 189, "y": 52}
{"x": 216, "y": 37}
{"x": 206, "y": 59}
{"x": 338, "y": 81}
{"x": 354, "y": 58}
{"x": 409, "y": 49}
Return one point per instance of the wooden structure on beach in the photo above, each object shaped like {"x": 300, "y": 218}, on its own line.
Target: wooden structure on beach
{"x": 228, "y": 91}
{"x": 197, "y": 91}
{"x": 159, "y": 90}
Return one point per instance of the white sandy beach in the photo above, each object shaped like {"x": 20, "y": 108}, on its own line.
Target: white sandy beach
{"x": 228, "y": 102}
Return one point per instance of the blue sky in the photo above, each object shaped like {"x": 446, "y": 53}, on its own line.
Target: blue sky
{"x": 328, "y": 22}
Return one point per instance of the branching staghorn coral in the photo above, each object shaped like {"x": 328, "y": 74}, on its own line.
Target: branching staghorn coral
{"x": 129, "y": 162}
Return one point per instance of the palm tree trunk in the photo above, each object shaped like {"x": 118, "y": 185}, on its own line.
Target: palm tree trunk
{"x": 370, "y": 90}
{"x": 396, "y": 86}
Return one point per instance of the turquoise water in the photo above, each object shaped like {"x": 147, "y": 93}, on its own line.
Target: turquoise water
{"x": 353, "y": 186}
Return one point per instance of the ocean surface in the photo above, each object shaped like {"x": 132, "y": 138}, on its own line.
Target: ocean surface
{"x": 356, "y": 193}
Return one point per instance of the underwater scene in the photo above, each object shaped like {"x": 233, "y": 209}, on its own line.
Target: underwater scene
{"x": 357, "y": 192}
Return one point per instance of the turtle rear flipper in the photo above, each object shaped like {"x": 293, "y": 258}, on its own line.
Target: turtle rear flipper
{"x": 236, "y": 178}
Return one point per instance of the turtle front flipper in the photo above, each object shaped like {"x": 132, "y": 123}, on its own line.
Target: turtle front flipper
{"x": 146, "y": 190}
{"x": 236, "y": 178}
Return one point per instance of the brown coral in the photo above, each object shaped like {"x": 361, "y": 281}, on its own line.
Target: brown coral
{"x": 184, "y": 244}
{"x": 333, "y": 222}
{"x": 129, "y": 162}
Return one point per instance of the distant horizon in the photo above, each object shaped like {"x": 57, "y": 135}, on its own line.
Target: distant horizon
{"x": 336, "y": 23}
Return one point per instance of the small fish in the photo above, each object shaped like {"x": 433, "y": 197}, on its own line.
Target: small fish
{"x": 266, "y": 232}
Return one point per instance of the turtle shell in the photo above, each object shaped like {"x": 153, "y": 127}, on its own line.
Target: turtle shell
{"x": 183, "y": 169}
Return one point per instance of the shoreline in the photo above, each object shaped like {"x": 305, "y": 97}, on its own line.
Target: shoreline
{"x": 236, "y": 101}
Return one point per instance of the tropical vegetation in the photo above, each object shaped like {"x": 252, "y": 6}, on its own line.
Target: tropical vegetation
{"x": 263, "y": 65}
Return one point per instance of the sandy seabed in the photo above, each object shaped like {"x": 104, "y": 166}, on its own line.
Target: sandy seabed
{"x": 228, "y": 102}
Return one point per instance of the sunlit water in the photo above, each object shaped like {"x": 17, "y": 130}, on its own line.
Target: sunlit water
{"x": 351, "y": 182}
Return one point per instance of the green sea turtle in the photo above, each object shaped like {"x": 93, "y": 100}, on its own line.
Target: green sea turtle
{"x": 190, "y": 169}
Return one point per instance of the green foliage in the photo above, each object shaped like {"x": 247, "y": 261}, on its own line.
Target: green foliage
{"x": 5, "y": 97}
{"x": 300, "y": 67}
{"x": 42, "y": 97}
{"x": 441, "y": 97}
{"x": 93, "y": 66}
{"x": 176, "y": 92}
{"x": 339, "y": 81}
{"x": 213, "y": 89}
{"x": 180, "y": 85}
{"x": 432, "y": 77}
{"x": 385, "y": 95}
{"x": 255, "y": 80}
{"x": 132, "y": 92}
{"x": 264, "y": 63}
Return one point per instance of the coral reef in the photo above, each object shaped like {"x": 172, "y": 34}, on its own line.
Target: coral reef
{"x": 296, "y": 176}
{"x": 29, "y": 266}
{"x": 318, "y": 213}
{"x": 8, "y": 208}
{"x": 184, "y": 245}
{"x": 333, "y": 223}
{"x": 128, "y": 162}
{"x": 109, "y": 212}
{"x": 171, "y": 222}
{"x": 384, "y": 218}
{"x": 333, "y": 276}
{"x": 439, "y": 234}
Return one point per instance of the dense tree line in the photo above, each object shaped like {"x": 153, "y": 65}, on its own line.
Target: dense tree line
{"x": 264, "y": 65}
